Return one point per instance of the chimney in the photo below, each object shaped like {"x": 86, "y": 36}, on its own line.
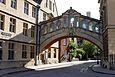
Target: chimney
{"x": 88, "y": 14}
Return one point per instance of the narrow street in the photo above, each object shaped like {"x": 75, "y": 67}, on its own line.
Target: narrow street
{"x": 78, "y": 70}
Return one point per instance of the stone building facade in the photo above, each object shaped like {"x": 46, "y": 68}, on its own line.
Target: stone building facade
{"x": 108, "y": 27}
{"x": 64, "y": 50}
{"x": 18, "y": 30}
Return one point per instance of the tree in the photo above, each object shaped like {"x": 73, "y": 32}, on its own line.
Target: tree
{"x": 79, "y": 42}
{"x": 89, "y": 48}
{"x": 72, "y": 48}
{"x": 80, "y": 53}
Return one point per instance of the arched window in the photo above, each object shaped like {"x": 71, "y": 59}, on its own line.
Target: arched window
{"x": 51, "y": 27}
{"x": 65, "y": 22}
{"x": 97, "y": 28}
{"x": 71, "y": 20}
{"x": 84, "y": 24}
{"x": 45, "y": 29}
{"x": 77, "y": 22}
{"x": 58, "y": 25}
{"x": 90, "y": 26}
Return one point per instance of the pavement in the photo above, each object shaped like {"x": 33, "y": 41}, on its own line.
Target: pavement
{"x": 39, "y": 67}
{"x": 99, "y": 69}
{"x": 95, "y": 68}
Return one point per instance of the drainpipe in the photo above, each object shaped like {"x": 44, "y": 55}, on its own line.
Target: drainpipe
{"x": 59, "y": 54}
{"x": 37, "y": 37}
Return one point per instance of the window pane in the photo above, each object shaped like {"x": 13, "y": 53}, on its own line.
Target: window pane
{"x": 65, "y": 53}
{"x": 44, "y": 16}
{"x": 25, "y": 29}
{"x": 52, "y": 27}
{"x": 11, "y": 3}
{"x": 1, "y": 22}
{"x": 71, "y": 20}
{"x": 26, "y": 7}
{"x": 11, "y": 51}
{"x": 91, "y": 26}
{"x": 14, "y": 5}
{"x": 1, "y": 25}
{"x": 58, "y": 24}
{"x": 53, "y": 7}
{"x": 46, "y": 29}
{"x": 24, "y": 51}
{"x": 12, "y": 25}
{"x": 50, "y": 5}
{"x": 32, "y": 31}
{"x": 46, "y": 3}
{"x": 33, "y": 11}
{"x": 2, "y": 1}
{"x": 97, "y": 29}
{"x": 0, "y": 51}
{"x": 13, "y": 21}
{"x": 65, "y": 41}
{"x": 31, "y": 51}
{"x": 2, "y": 17}
{"x": 84, "y": 24}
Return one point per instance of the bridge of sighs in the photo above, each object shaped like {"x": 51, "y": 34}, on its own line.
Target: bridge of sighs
{"x": 70, "y": 24}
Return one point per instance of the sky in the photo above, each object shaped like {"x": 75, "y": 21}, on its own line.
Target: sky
{"x": 81, "y": 6}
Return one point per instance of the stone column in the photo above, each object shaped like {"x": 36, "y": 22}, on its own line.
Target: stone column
{"x": 52, "y": 53}
{"x": 87, "y": 25}
{"x": 80, "y": 23}
{"x": 77, "y": 23}
{"x": 55, "y": 25}
{"x": 46, "y": 56}
{"x": 48, "y": 27}
{"x": 94, "y": 27}
{"x": 64, "y": 25}
{"x": 5, "y": 50}
{"x": 67, "y": 22}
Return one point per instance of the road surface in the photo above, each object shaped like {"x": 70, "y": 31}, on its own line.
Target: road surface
{"x": 78, "y": 70}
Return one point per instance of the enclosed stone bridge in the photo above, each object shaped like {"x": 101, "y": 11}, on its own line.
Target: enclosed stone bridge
{"x": 70, "y": 24}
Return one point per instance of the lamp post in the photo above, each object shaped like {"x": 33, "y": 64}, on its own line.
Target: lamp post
{"x": 37, "y": 36}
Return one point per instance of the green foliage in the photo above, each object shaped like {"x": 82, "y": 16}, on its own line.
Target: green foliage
{"x": 79, "y": 42}
{"x": 89, "y": 48}
{"x": 80, "y": 53}
{"x": 85, "y": 49}
{"x": 72, "y": 47}
{"x": 80, "y": 56}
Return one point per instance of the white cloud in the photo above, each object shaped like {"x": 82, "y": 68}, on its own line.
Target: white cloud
{"x": 81, "y": 6}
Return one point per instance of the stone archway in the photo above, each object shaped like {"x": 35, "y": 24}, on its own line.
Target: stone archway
{"x": 52, "y": 38}
{"x": 70, "y": 24}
